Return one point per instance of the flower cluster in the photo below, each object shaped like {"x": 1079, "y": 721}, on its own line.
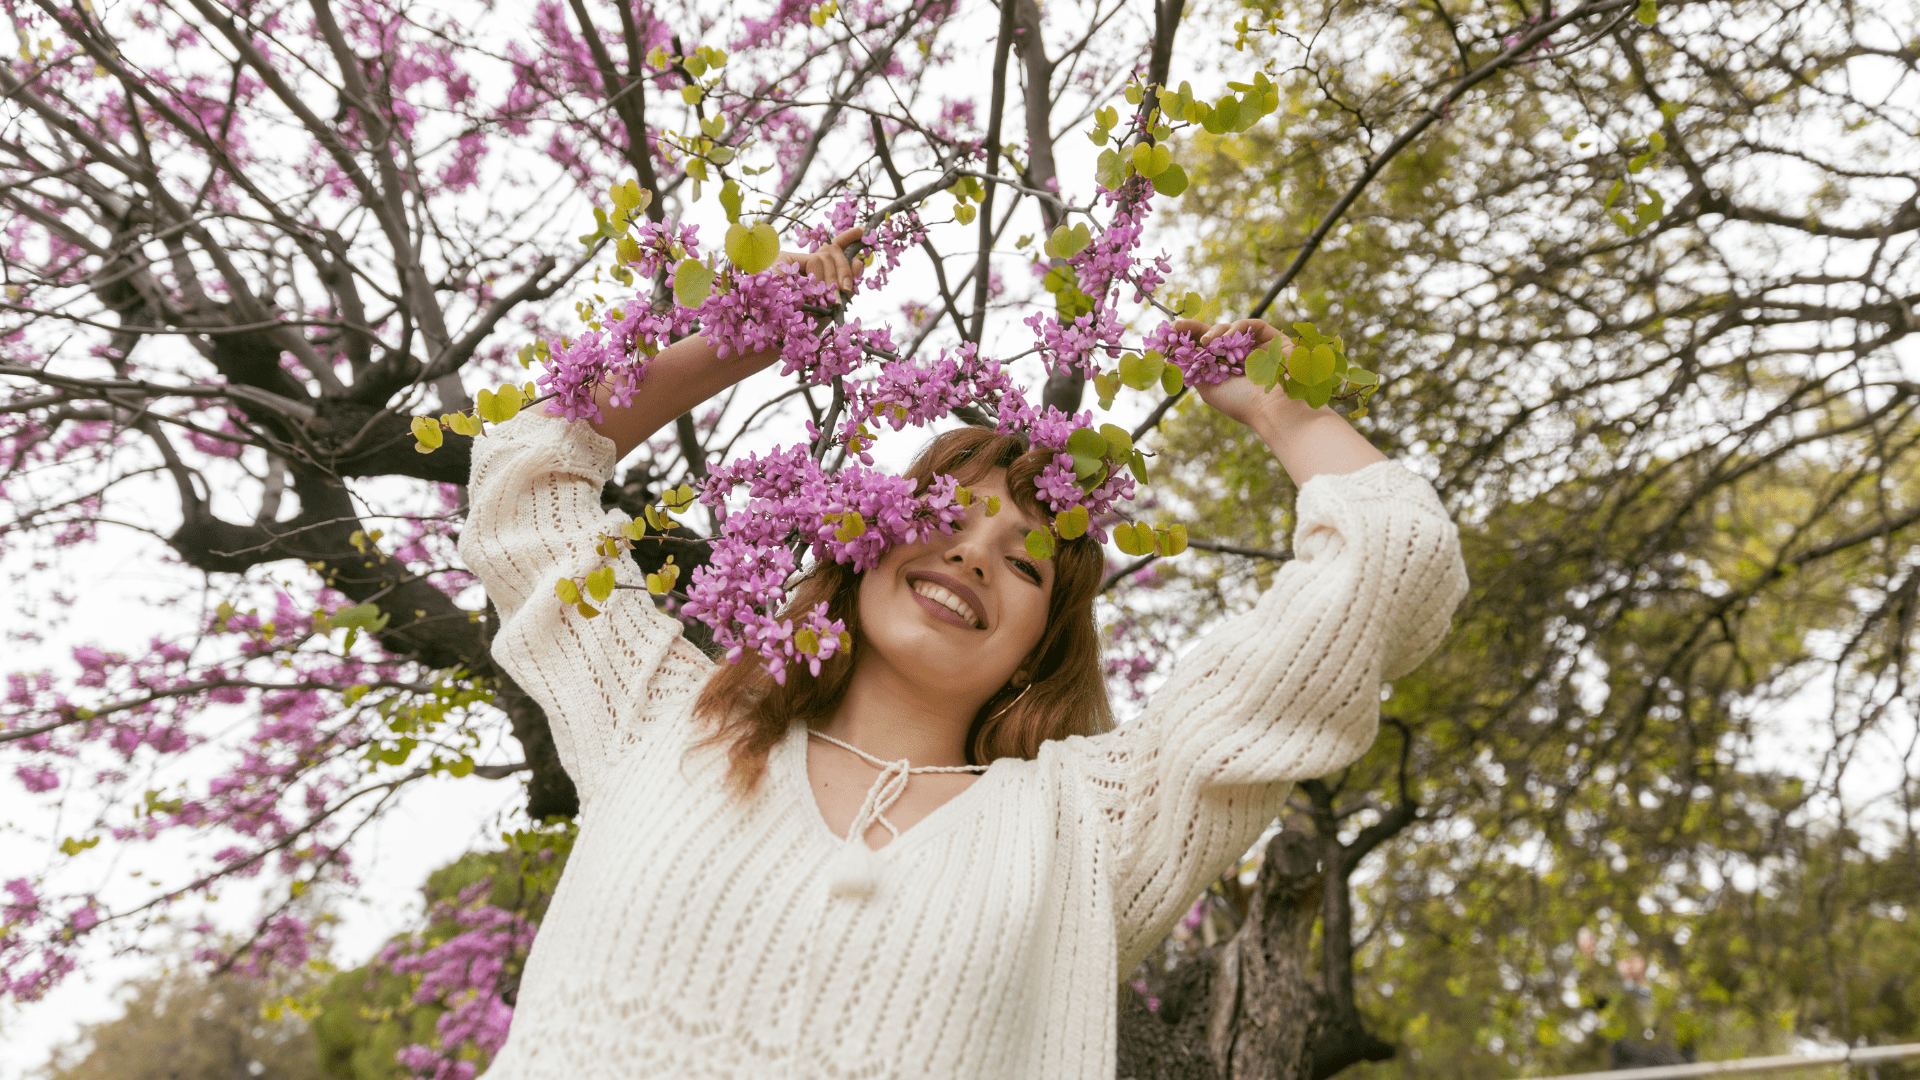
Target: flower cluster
{"x": 850, "y": 516}
{"x": 1203, "y": 365}
{"x": 823, "y": 500}
{"x": 465, "y": 975}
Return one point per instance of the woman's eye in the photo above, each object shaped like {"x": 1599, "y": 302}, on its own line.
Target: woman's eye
{"x": 1030, "y": 570}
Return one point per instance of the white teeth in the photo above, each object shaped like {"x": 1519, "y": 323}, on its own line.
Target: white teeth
{"x": 947, "y": 600}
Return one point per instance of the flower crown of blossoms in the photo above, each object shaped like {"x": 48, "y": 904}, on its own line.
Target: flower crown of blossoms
{"x": 823, "y": 499}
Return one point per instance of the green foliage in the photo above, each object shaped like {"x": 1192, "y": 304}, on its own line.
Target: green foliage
{"x": 1669, "y": 515}
{"x": 435, "y": 722}
{"x": 182, "y": 1024}
{"x": 363, "y": 1017}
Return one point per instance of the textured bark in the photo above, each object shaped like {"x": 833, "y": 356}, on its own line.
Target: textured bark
{"x": 1256, "y": 1006}
{"x": 1249, "y": 1006}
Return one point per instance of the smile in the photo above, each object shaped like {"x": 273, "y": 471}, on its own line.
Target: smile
{"x": 947, "y": 600}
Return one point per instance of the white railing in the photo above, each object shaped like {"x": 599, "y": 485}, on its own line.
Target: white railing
{"x": 1859, "y": 1055}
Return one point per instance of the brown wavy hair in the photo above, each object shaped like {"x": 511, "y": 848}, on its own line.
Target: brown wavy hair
{"x": 749, "y": 713}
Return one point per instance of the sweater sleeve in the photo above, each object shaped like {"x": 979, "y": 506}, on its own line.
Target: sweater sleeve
{"x": 1287, "y": 691}
{"x": 608, "y": 684}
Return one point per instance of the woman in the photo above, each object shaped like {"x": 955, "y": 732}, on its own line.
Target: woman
{"x": 760, "y": 887}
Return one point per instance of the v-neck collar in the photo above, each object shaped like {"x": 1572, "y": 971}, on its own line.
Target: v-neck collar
{"x": 791, "y": 769}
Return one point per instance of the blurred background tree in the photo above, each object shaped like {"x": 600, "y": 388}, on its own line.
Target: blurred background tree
{"x": 1643, "y": 306}
{"x": 182, "y": 1024}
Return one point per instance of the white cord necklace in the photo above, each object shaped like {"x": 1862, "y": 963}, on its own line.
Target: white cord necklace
{"x": 855, "y": 869}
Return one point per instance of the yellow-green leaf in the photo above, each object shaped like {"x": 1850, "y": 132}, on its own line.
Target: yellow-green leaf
{"x": 749, "y": 249}
{"x": 1176, "y": 540}
{"x": 567, "y": 591}
{"x": 498, "y": 406}
{"x": 1040, "y": 544}
{"x": 1312, "y": 366}
{"x": 1071, "y": 525}
{"x": 1151, "y": 161}
{"x": 1066, "y": 242}
{"x": 630, "y": 198}
{"x": 1141, "y": 370}
{"x": 692, "y": 283}
{"x": 1171, "y": 181}
{"x": 1127, "y": 539}
{"x": 600, "y": 583}
{"x": 1263, "y": 365}
{"x": 427, "y": 430}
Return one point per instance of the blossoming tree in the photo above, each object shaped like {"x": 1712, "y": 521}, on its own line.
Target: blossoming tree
{"x": 270, "y": 267}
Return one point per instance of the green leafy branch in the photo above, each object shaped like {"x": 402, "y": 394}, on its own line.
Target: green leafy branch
{"x": 597, "y": 585}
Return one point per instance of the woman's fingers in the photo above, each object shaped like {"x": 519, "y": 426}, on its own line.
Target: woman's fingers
{"x": 840, "y": 270}
{"x": 843, "y": 270}
{"x": 1261, "y": 330}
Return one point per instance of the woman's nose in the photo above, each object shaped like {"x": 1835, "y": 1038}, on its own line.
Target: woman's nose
{"x": 963, "y": 557}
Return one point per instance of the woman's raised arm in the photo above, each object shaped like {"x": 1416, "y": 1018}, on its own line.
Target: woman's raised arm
{"x": 689, "y": 371}
{"x": 1287, "y": 691}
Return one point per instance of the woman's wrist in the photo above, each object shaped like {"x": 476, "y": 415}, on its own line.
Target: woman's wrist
{"x": 1279, "y": 417}
{"x": 1309, "y": 442}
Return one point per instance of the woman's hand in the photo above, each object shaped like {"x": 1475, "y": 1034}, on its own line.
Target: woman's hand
{"x": 1239, "y": 397}
{"x": 1307, "y": 441}
{"x": 689, "y": 371}
{"x": 830, "y": 263}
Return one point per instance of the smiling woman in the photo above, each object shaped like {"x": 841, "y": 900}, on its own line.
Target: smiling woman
{"x": 1023, "y": 645}
{"x": 936, "y": 856}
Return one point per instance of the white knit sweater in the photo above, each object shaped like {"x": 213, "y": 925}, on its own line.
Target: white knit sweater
{"x": 695, "y": 936}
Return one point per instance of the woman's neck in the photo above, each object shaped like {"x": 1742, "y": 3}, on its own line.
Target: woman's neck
{"x": 893, "y": 717}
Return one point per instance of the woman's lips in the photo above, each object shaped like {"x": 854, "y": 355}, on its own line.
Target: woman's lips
{"x": 959, "y": 589}
{"x": 941, "y": 611}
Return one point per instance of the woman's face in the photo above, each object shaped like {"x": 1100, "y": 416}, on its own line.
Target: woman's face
{"x": 959, "y": 613}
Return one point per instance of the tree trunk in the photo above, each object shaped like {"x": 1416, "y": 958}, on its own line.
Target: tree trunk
{"x": 1251, "y": 1007}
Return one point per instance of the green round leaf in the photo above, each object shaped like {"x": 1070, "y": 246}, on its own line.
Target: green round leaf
{"x": 1263, "y": 366}
{"x": 692, "y": 283}
{"x": 751, "y": 250}
{"x": 1312, "y": 366}
{"x": 600, "y": 583}
{"x": 1072, "y": 524}
{"x": 427, "y": 430}
{"x": 1171, "y": 181}
{"x": 1040, "y": 544}
{"x": 1141, "y": 371}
